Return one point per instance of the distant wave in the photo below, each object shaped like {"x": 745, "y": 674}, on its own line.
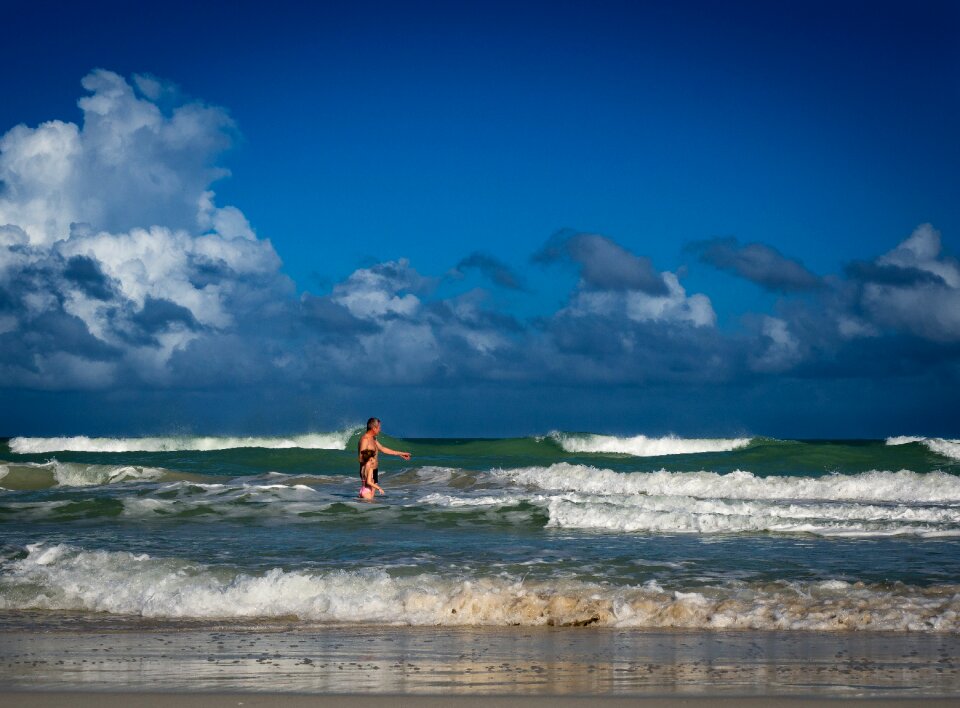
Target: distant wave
{"x": 311, "y": 441}
{"x": 941, "y": 446}
{"x": 642, "y": 446}
{"x": 61, "y": 577}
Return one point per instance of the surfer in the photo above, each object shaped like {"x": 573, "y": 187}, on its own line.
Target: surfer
{"x": 367, "y": 451}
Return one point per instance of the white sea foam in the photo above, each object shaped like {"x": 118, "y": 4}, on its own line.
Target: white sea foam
{"x": 877, "y": 486}
{"x": 312, "y": 441}
{"x": 66, "y": 578}
{"x": 904, "y": 440}
{"x": 231, "y": 501}
{"x": 941, "y": 446}
{"x": 686, "y": 515}
{"x": 642, "y": 446}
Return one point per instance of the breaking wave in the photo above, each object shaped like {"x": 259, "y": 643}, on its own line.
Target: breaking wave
{"x": 40, "y": 475}
{"x": 311, "y": 441}
{"x": 61, "y": 577}
{"x": 941, "y": 446}
{"x": 642, "y": 446}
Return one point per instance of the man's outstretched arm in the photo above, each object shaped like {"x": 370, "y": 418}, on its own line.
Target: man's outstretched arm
{"x": 388, "y": 451}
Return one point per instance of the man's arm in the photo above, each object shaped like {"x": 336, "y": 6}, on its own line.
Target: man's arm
{"x": 388, "y": 451}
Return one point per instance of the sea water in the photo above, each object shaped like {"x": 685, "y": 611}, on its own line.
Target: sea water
{"x": 560, "y": 529}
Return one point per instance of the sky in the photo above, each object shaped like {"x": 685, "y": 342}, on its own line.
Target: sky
{"x": 481, "y": 219}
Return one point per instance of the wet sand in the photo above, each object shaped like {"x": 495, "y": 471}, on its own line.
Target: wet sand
{"x": 475, "y": 663}
{"x": 248, "y": 700}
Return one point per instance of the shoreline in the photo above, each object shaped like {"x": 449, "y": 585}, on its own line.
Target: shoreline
{"x": 372, "y": 663}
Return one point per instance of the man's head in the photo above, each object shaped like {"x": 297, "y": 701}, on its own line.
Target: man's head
{"x": 373, "y": 424}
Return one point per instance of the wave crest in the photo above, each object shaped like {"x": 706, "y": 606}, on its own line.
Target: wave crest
{"x": 642, "y": 446}
{"x": 941, "y": 446}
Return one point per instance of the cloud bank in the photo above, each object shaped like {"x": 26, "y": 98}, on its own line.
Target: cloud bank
{"x": 119, "y": 269}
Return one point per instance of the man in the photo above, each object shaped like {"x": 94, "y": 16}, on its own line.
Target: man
{"x": 368, "y": 441}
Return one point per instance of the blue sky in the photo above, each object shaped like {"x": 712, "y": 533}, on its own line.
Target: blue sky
{"x": 677, "y": 217}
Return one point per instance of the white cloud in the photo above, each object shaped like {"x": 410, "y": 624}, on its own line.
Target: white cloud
{"x": 117, "y": 266}
{"x": 37, "y": 170}
{"x": 129, "y": 165}
{"x": 673, "y": 307}
{"x": 676, "y": 307}
{"x": 927, "y": 307}
{"x": 781, "y": 349}
{"x": 113, "y": 223}
{"x": 379, "y": 290}
{"x": 921, "y": 250}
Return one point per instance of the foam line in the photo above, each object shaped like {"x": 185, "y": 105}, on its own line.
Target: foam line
{"x": 876, "y": 486}
{"x": 61, "y": 577}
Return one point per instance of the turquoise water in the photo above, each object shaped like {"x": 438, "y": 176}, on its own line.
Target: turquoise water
{"x": 560, "y": 529}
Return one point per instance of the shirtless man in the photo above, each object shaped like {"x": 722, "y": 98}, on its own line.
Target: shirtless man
{"x": 369, "y": 443}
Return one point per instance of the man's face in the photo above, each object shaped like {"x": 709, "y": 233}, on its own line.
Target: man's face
{"x": 376, "y": 428}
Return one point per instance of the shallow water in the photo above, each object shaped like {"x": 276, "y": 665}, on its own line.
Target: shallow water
{"x": 565, "y": 529}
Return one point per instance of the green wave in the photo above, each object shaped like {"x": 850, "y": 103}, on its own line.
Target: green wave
{"x": 761, "y": 456}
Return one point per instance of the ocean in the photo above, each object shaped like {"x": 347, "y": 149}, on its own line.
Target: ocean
{"x": 564, "y": 529}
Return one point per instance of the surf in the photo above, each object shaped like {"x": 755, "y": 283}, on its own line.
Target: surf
{"x": 63, "y": 577}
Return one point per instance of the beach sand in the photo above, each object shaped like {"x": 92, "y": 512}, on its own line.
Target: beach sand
{"x": 372, "y": 666}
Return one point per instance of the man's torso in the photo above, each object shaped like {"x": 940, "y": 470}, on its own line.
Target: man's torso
{"x": 368, "y": 442}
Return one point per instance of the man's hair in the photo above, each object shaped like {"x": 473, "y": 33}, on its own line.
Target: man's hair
{"x": 372, "y": 422}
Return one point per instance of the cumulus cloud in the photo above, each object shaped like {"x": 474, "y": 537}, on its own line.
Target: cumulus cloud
{"x": 383, "y": 290}
{"x": 617, "y": 283}
{"x": 913, "y": 288}
{"x": 118, "y": 268}
{"x": 625, "y": 321}
{"x": 757, "y": 262}
{"x": 778, "y": 349}
{"x": 674, "y": 307}
{"x": 408, "y": 336}
{"x": 113, "y": 252}
{"x": 128, "y": 165}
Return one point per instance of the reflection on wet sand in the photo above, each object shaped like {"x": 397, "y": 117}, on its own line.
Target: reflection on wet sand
{"x": 343, "y": 659}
